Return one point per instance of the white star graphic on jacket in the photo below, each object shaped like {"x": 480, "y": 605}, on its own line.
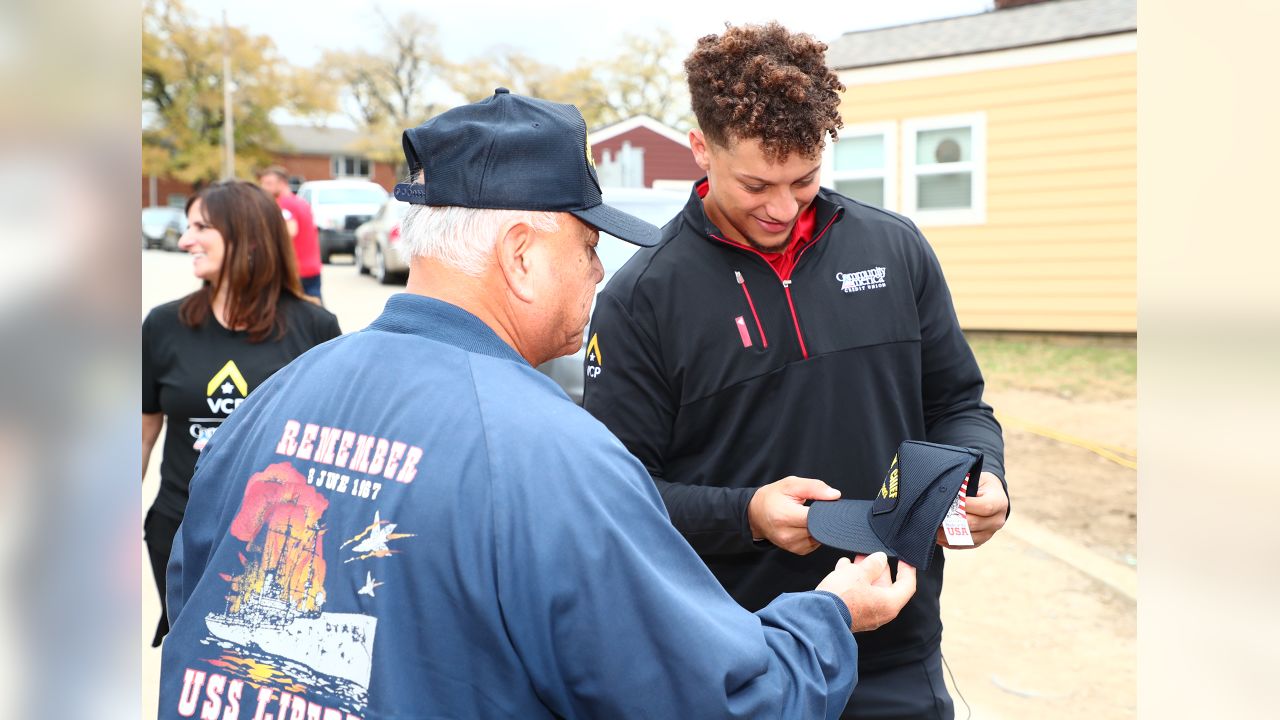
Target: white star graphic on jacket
{"x": 369, "y": 585}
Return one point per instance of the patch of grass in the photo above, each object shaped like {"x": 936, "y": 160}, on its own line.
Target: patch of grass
{"x": 1073, "y": 366}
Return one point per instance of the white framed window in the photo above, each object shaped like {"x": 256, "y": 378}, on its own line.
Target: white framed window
{"x": 350, "y": 166}
{"x": 944, "y": 167}
{"x": 861, "y": 164}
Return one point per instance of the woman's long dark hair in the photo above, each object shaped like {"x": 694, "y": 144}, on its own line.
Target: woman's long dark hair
{"x": 258, "y": 263}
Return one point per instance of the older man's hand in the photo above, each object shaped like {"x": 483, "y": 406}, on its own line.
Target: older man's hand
{"x": 865, "y": 587}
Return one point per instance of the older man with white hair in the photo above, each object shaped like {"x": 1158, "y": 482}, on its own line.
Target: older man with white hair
{"x": 411, "y": 521}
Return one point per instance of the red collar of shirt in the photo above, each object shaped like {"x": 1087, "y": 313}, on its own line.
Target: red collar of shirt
{"x": 801, "y": 237}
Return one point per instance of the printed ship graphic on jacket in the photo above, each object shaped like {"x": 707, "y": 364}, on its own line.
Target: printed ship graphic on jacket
{"x": 276, "y": 603}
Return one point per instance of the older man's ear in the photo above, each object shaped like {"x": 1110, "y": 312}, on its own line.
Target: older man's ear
{"x": 517, "y": 252}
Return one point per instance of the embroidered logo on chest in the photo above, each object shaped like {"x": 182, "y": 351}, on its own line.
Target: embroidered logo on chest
{"x": 869, "y": 279}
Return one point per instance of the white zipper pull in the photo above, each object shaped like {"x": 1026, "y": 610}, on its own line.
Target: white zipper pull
{"x": 786, "y": 283}
{"x": 739, "y": 276}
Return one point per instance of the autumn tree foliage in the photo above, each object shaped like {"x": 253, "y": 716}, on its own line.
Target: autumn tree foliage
{"x": 182, "y": 94}
{"x": 399, "y": 84}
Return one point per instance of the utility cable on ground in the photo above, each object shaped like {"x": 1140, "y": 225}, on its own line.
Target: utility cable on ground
{"x": 1116, "y": 455}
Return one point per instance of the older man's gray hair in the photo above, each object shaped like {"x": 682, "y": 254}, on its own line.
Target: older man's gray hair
{"x": 462, "y": 238}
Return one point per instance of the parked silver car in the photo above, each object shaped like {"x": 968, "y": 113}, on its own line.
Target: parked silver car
{"x": 655, "y": 206}
{"x": 339, "y": 207}
{"x": 162, "y": 226}
{"x": 378, "y": 245}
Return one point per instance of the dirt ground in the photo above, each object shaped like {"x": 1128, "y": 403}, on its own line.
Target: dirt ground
{"x": 1030, "y": 634}
{"x": 1072, "y": 490}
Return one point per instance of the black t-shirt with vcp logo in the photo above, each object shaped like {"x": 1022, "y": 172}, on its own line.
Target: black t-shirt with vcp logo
{"x": 198, "y": 376}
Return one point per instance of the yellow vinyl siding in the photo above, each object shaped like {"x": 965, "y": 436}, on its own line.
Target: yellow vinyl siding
{"x": 1020, "y": 195}
{"x": 1014, "y": 289}
{"x": 1022, "y": 234}
{"x": 1063, "y": 161}
{"x": 1084, "y": 127}
{"x": 1058, "y": 250}
{"x": 1032, "y": 100}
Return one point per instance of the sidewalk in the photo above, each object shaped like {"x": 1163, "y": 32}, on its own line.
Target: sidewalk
{"x": 1032, "y": 635}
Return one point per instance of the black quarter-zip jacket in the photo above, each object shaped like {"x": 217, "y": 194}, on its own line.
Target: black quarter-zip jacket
{"x": 721, "y": 376}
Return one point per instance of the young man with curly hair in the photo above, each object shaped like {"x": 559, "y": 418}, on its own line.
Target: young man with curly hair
{"x": 778, "y": 345}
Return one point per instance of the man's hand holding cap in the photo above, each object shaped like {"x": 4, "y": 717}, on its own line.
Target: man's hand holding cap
{"x": 865, "y": 587}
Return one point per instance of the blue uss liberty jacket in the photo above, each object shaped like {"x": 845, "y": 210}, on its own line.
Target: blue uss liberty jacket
{"x": 412, "y": 522}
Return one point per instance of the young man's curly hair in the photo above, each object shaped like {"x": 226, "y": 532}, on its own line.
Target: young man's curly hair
{"x": 764, "y": 82}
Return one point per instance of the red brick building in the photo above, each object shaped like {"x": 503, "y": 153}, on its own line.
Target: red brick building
{"x": 308, "y": 153}
{"x": 311, "y": 153}
{"x": 640, "y": 151}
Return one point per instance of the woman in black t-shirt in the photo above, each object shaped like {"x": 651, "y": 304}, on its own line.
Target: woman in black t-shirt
{"x": 203, "y": 354}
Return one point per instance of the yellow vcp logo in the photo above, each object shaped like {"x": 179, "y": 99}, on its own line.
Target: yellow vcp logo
{"x": 594, "y": 358}
{"x": 221, "y": 387}
{"x": 593, "y": 350}
{"x": 228, "y": 377}
{"x": 591, "y": 160}
{"x": 889, "y": 489}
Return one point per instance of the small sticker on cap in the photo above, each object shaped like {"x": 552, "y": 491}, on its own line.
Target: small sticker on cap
{"x": 955, "y": 526}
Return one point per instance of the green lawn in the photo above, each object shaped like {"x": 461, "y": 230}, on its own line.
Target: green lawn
{"x": 1078, "y": 366}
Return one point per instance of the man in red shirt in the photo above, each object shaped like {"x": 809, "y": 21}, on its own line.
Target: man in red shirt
{"x": 302, "y": 227}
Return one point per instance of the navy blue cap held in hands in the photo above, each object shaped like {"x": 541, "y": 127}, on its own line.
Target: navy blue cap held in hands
{"x": 510, "y": 152}
{"x": 903, "y": 520}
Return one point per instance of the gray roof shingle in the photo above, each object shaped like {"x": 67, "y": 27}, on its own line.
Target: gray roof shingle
{"x": 1034, "y": 24}
{"x": 309, "y": 140}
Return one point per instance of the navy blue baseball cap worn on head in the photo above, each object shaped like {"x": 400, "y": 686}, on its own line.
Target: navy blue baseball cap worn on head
{"x": 903, "y": 520}
{"x": 510, "y": 152}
